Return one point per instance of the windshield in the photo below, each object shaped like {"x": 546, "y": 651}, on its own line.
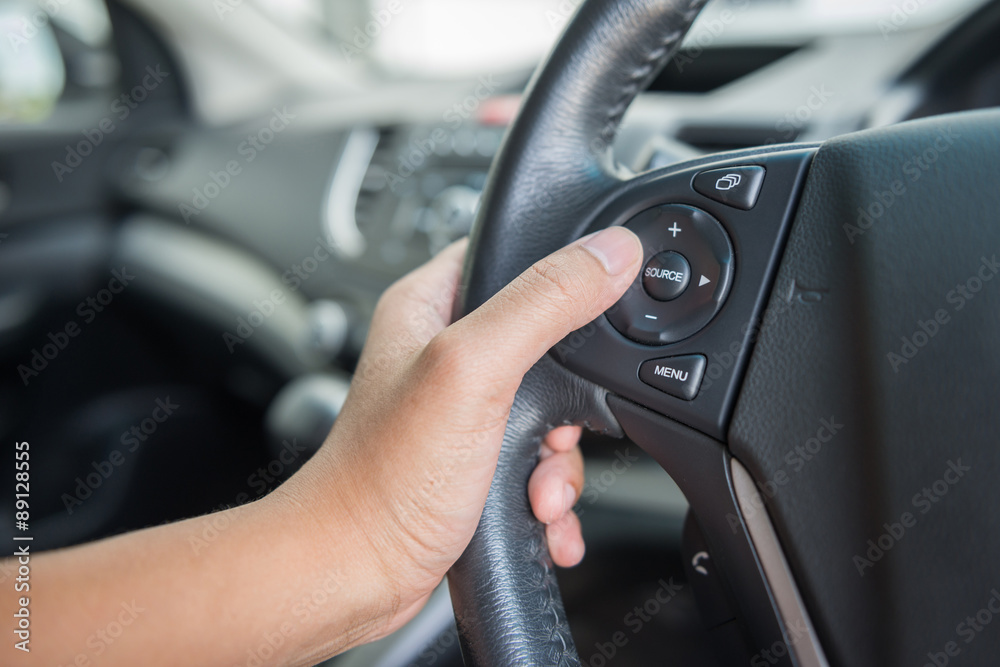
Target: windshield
{"x": 32, "y": 71}
{"x": 450, "y": 38}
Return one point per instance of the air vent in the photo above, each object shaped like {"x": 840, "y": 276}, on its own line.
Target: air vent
{"x": 718, "y": 138}
{"x": 709, "y": 69}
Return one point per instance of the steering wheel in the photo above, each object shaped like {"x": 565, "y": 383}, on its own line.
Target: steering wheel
{"x": 810, "y": 352}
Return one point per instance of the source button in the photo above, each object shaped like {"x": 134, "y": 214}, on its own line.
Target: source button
{"x": 666, "y": 276}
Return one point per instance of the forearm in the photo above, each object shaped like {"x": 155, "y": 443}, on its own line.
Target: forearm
{"x": 270, "y": 581}
{"x": 351, "y": 547}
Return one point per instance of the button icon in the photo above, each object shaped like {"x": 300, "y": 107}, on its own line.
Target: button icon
{"x": 675, "y": 229}
{"x": 737, "y": 186}
{"x": 728, "y": 182}
{"x": 677, "y": 376}
{"x": 696, "y": 562}
{"x": 704, "y": 281}
{"x": 671, "y": 373}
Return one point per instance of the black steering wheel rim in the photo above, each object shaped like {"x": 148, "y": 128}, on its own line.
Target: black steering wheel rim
{"x": 507, "y": 603}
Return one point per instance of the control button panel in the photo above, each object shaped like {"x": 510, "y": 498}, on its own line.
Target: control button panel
{"x": 708, "y": 306}
{"x": 677, "y": 376}
{"x": 738, "y": 187}
{"x": 687, "y": 276}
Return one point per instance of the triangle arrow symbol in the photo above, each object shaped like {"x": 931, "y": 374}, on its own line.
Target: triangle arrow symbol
{"x": 704, "y": 281}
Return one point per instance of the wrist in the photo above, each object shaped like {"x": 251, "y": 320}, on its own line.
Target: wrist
{"x": 346, "y": 593}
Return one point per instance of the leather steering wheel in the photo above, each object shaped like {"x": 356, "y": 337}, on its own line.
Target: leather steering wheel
{"x": 823, "y": 389}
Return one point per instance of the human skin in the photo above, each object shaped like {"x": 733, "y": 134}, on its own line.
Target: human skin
{"x": 350, "y": 547}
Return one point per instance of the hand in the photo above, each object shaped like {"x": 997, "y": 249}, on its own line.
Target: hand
{"x": 411, "y": 457}
{"x": 352, "y": 545}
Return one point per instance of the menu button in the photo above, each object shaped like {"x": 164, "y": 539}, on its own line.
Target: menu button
{"x": 677, "y": 376}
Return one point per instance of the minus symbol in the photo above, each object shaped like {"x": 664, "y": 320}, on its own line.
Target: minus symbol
{"x": 650, "y": 317}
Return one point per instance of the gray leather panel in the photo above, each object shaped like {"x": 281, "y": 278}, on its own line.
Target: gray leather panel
{"x": 852, "y": 444}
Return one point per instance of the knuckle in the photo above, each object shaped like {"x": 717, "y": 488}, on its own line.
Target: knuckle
{"x": 390, "y": 299}
{"x": 549, "y": 276}
{"x": 385, "y": 306}
{"x": 445, "y": 354}
{"x": 554, "y": 291}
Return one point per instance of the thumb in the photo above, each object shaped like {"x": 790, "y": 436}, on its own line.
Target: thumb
{"x": 553, "y": 298}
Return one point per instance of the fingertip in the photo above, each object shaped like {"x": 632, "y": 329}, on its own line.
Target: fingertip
{"x": 456, "y": 249}
{"x": 547, "y": 497}
{"x": 565, "y": 540}
{"x": 555, "y": 485}
{"x": 616, "y": 248}
{"x": 564, "y": 438}
{"x": 568, "y": 499}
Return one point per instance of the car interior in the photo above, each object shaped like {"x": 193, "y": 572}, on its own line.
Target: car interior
{"x": 793, "y": 445}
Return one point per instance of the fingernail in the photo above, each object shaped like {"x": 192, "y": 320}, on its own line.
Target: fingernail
{"x": 616, "y": 248}
{"x": 579, "y": 550}
{"x": 569, "y": 497}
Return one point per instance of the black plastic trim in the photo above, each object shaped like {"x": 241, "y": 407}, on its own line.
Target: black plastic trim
{"x": 701, "y": 468}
